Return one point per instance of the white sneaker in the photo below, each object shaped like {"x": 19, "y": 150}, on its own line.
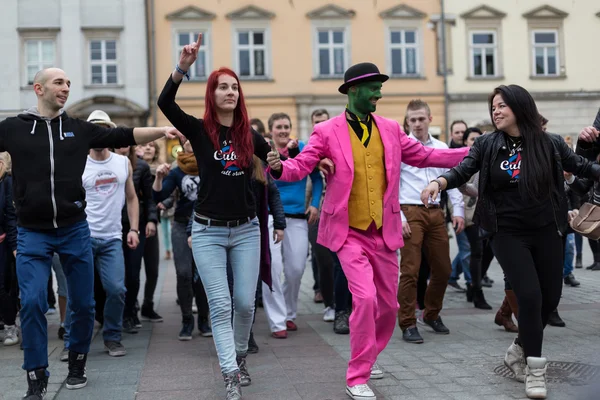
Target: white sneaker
{"x": 329, "y": 314}
{"x": 12, "y": 336}
{"x": 535, "y": 383}
{"x": 419, "y": 317}
{"x": 194, "y": 308}
{"x": 360, "y": 392}
{"x": 51, "y": 311}
{"x": 515, "y": 361}
{"x": 376, "y": 372}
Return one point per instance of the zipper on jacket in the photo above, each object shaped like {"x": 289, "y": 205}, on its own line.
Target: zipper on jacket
{"x": 52, "y": 173}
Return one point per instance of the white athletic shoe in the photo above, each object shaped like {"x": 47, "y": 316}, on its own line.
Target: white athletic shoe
{"x": 360, "y": 392}
{"x": 515, "y": 361}
{"x": 329, "y": 314}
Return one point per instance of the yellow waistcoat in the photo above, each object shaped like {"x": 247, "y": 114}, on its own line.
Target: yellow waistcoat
{"x": 366, "y": 197}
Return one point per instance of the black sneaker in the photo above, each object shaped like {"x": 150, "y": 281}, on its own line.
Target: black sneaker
{"x": 204, "y": 327}
{"x": 186, "y": 331}
{"x": 456, "y": 287}
{"x": 232, "y": 386}
{"x": 115, "y": 349}
{"x": 244, "y": 374}
{"x": 578, "y": 263}
{"x": 556, "y": 320}
{"x": 129, "y": 326}
{"x": 571, "y": 281}
{"x": 341, "y": 324}
{"x": 136, "y": 322}
{"x": 252, "y": 346}
{"x": 148, "y": 314}
{"x": 76, "y": 378}
{"x": 437, "y": 326}
{"x": 412, "y": 335}
{"x": 37, "y": 382}
{"x": 61, "y": 333}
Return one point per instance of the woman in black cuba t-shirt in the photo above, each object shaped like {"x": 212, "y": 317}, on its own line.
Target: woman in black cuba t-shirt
{"x": 225, "y": 225}
{"x": 522, "y": 206}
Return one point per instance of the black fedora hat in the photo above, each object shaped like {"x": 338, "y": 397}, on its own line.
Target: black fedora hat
{"x": 359, "y": 73}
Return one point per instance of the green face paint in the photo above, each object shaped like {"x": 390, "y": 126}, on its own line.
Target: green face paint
{"x": 362, "y": 98}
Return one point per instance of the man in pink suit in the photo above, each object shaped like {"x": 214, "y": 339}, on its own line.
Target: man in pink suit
{"x": 360, "y": 217}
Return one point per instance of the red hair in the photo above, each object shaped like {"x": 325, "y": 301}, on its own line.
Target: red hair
{"x": 240, "y": 133}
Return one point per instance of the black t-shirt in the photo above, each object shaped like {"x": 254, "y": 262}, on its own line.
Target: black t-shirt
{"x": 225, "y": 189}
{"x": 513, "y": 211}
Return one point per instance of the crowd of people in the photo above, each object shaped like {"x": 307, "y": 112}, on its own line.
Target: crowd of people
{"x": 244, "y": 205}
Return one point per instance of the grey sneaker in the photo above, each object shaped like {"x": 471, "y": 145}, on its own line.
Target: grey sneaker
{"x": 115, "y": 349}
{"x": 64, "y": 355}
{"x": 232, "y": 386}
{"x": 244, "y": 374}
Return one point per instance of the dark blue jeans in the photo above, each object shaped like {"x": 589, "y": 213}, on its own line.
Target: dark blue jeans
{"x": 35, "y": 249}
{"x": 343, "y": 298}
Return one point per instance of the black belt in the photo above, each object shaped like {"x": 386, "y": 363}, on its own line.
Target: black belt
{"x": 219, "y": 222}
{"x": 423, "y": 205}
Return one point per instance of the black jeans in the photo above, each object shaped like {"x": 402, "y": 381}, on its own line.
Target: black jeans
{"x": 321, "y": 257}
{"x": 476, "y": 244}
{"x": 151, "y": 263}
{"x": 533, "y": 263}
{"x": 487, "y": 256}
{"x": 8, "y": 298}
{"x": 343, "y": 298}
{"x": 51, "y": 295}
{"x": 133, "y": 265}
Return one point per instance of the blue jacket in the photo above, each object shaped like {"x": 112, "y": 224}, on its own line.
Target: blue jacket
{"x": 293, "y": 194}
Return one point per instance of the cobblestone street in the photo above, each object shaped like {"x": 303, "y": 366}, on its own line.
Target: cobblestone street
{"x": 311, "y": 363}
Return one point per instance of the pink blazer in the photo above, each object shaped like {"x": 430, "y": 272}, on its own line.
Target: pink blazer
{"x": 331, "y": 139}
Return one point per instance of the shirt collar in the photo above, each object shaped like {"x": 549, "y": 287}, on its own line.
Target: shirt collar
{"x": 429, "y": 138}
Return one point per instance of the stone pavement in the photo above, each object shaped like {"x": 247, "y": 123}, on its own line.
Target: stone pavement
{"x": 311, "y": 363}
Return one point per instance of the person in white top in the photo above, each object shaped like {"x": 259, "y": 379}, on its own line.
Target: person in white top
{"x": 424, "y": 229}
{"x": 107, "y": 180}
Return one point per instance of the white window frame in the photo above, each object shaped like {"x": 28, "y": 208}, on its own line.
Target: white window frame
{"x": 535, "y": 46}
{"x": 473, "y": 46}
{"x": 330, "y": 25}
{"x": 38, "y": 63}
{"x": 104, "y": 35}
{"x": 403, "y": 46}
{"x": 33, "y": 35}
{"x": 239, "y": 26}
{"x": 205, "y": 29}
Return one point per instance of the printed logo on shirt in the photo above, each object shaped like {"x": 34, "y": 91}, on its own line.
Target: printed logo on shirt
{"x": 106, "y": 183}
{"x": 69, "y": 134}
{"x": 228, "y": 159}
{"x": 512, "y": 166}
{"x": 189, "y": 187}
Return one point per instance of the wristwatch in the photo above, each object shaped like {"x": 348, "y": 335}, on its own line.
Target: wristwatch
{"x": 136, "y": 231}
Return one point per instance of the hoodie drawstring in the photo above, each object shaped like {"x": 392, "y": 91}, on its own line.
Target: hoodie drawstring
{"x": 61, "y": 134}
{"x": 34, "y": 125}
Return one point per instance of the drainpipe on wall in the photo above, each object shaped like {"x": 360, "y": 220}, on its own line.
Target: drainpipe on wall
{"x": 444, "y": 69}
{"x": 151, "y": 34}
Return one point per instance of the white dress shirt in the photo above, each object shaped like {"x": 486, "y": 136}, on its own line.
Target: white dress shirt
{"x": 413, "y": 180}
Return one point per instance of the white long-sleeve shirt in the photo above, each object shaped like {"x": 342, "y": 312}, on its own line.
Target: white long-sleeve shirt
{"x": 413, "y": 180}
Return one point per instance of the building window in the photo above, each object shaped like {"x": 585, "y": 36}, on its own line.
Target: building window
{"x": 483, "y": 54}
{"x": 545, "y": 53}
{"x": 404, "y": 51}
{"x": 103, "y": 62}
{"x": 252, "y": 53}
{"x": 331, "y": 52}
{"x": 199, "y": 68}
{"x": 39, "y": 54}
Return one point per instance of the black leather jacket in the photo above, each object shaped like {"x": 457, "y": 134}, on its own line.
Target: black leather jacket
{"x": 483, "y": 154}
{"x": 142, "y": 181}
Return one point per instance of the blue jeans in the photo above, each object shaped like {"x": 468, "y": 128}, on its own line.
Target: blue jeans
{"x": 213, "y": 246}
{"x": 108, "y": 260}
{"x": 461, "y": 261}
{"x": 35, "y": 249}
{"x": 569, "y": 254}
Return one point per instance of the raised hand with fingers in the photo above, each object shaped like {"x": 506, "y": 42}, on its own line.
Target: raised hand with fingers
{"x": 326, "y": 166}
{"x": 163, "y": 170}
{"x": 189, "y": 54}
{"x": 589, "y": 134}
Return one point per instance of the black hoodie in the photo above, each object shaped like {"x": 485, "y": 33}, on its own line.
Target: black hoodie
{"x": 48, "y": 158}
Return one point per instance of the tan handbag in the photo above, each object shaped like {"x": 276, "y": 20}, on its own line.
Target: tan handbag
{"x": 587, "y": 221}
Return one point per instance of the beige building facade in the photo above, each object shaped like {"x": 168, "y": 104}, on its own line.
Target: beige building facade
{"x": 291, "y": 55}
{"x": 545, "y": 46}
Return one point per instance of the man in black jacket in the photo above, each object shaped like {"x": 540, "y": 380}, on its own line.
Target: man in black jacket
{"x": 49, "y": 151}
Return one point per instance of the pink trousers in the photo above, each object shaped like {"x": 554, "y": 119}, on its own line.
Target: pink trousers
{"x": 372, "y": 272}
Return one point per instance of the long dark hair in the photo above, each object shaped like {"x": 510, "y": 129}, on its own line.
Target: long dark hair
{"x": 536, "y": 178}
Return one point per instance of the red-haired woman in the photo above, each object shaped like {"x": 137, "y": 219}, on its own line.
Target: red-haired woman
{"x": 225, "y": 225}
